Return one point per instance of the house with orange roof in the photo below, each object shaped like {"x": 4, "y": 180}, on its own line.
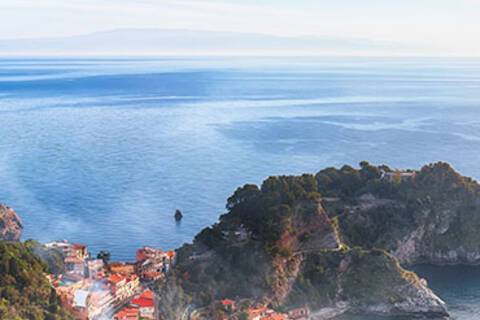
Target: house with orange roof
{"x": 127, "y": 313}
{"x": 122, "y": 267}
{"x": 257, "y": 313}
{"x": 148, "y": 253}
{"x": 133, "y": 285}
{"x": 151, "y": 269}
{"x": 228, "y": 305}
{"x": 274, "y": 316}
{"x": 152, "y": 264}
{"x": 80, "y": 251}
{"x": 118, "y": 286}
{"x": 171, "y": 254}
{"x": 145, "y": 302}
{"x": 122, "y": 286}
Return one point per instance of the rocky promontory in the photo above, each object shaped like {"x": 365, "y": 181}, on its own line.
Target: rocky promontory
{"x": 277, "y": 245}
{"x": 430, "y": 217}
{"x": 338, "y": 242}
{"x": 10, "y": 224}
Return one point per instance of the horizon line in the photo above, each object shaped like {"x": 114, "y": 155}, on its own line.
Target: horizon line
{"x": 229, "y": 55}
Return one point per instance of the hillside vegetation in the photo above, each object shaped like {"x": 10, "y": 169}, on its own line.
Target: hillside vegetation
{"x": 431, "y": 218}
{"x": 323, "y": 240}
{"x": 25, "y": 292}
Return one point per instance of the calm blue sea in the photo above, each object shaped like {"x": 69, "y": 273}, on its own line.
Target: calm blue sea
{"x": 102, "y": 151}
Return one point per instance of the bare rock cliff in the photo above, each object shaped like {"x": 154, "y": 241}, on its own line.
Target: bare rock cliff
{"x": 10, "y": 224}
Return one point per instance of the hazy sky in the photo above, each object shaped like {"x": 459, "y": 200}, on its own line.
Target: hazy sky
{"x": 452, "y": 25}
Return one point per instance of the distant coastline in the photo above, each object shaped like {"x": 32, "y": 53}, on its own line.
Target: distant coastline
{"x": 183, "y": 42}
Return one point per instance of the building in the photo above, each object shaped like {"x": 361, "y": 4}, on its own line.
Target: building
{"x": 148, "y": 253}
{"x": 118, "y": 285}
{"x": 89, "y": 294}
{"x": 122, "y": 268}
{"x": 145, "y": 303}
{"x": 302, "y": 313}
{"x": 123, "y": 287}
{"x": 80, "y": 307}
{"x": 257, "y": 313}
{"x": 150, "y": 270}
{"x": 74, "y": 256}
{"x": 100, "y": 302}
{"x": 80, "y": 251}
{"x": 75, "y": 265}
{"x": 127, "y": 313}
{"x": 398, "y": 176}
{"x": 171, "y": 257}
{"x": 242, "y": 233}
{"x": 228, "y": 305}
{"x": 85, "y": 299}
{"x": 63, "y": 246}
{"x": 152, "y": 264}
{"x": 132, "y": 285}
{"x": 73, "y": 277}
{"x": 95, "y": 269}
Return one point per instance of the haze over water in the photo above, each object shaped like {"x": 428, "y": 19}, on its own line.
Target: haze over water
{"x": 102, "y": 151}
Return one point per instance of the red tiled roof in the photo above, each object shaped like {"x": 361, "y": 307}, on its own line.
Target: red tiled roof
{"x": 144, "y": 300}
{"x": 132, "y": 277}
{"x": 127, "y": 313}
{"x": 116, "y": 278}
{"x": 148, "y": 294}
{"x": 228, "y": 302}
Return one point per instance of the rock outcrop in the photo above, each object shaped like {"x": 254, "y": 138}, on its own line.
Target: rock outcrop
{"x": 10, "y": 224}
{"x": 433, "y": 218}
{"x": 178, "y": 215}
{"x": 364, "y": 282}
{"x": 277, "y": 245}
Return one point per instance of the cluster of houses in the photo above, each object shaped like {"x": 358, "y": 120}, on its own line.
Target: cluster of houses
{"x": 260, "y": 312}
{"x": 93, "y": 289}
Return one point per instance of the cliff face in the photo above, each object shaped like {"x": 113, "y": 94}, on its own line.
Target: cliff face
{"x": 278, "y": 245}
{"x": 10, "y": 224}
{"x": 432, "y": 218}
{"x": 363, "y": 282}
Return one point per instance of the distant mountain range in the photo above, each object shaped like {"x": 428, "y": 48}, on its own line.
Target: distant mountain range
{"x": 187, "y": 42}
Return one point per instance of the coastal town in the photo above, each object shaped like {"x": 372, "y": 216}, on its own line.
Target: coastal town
{"x": 243, "y": 309}
{"x": 93, "y": 288}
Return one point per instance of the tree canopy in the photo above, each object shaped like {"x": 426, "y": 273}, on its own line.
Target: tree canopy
{"x": 25, "y": 292}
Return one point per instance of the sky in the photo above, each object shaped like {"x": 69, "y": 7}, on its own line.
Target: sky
{"x": 450, "y": 26}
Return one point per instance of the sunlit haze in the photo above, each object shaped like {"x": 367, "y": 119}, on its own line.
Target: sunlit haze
{"x": 435, "y": 27}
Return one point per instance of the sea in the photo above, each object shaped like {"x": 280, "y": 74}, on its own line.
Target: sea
{"x": 103, "y": 150}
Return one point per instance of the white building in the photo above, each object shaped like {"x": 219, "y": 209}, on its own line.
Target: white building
{"x": 95, "y": 269}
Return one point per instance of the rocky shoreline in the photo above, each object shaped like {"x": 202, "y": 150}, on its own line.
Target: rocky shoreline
{"x": 337, "y": 242}
{"x": 10, "y": 224}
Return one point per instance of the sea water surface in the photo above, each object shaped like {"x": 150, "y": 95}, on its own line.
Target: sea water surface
{"x": 103, "y": 150}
